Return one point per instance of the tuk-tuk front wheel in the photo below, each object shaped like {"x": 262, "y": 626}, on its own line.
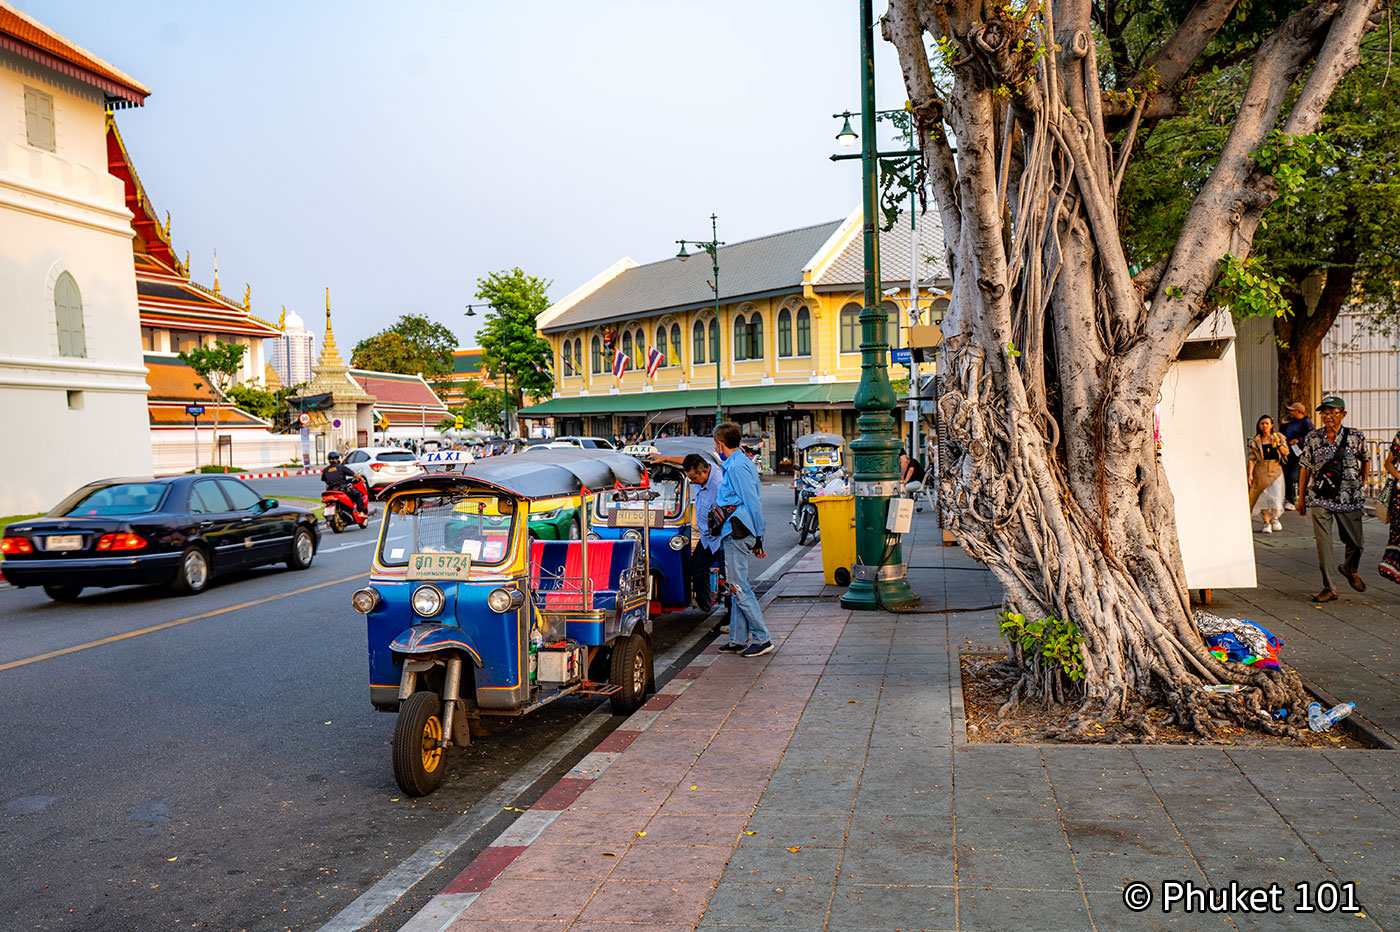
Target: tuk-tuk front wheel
{"x": 631, "y": 670}
{"x": 419, "y": 758}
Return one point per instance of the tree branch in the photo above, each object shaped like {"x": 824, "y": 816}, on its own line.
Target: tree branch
{"x": 1166, "y": 68}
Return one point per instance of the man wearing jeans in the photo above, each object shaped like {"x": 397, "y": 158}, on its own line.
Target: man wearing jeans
{"x": 1335, "y": 466}
{"x": 740, "y": 498}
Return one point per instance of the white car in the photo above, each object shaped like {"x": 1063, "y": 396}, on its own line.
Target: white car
{"x": 588, "y": 443}
{"x": 381, "y": 466}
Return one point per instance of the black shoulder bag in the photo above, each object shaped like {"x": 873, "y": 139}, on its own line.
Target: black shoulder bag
{"x": 1327, "y": 481}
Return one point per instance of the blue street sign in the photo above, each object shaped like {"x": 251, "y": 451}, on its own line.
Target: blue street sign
{"x": 194, "y": 410}
{"x": 901, "y": 357}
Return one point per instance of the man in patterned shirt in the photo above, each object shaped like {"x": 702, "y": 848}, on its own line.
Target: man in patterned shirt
{"x": 1335, "y": 466}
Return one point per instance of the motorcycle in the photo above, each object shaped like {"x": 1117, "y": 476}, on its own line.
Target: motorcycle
{"x": 342, "y": 509}
{"x": 810, "y": 481}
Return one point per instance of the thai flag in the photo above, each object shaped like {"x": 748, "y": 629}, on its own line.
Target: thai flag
{"x": 654, "y": 360}
{"x": 539, "y": 368}
{"x": 620, "y": 361}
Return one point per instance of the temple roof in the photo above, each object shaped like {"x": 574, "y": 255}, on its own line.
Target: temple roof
{"x": 172, "y": 386}
{"x": 168, "y": 299}
{"x": 391, "y": 389}
{"x": 27, "y": 37}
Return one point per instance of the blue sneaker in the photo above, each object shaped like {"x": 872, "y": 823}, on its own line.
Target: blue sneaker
{"x": 757, "y": 650}
{"x": 733, "y": 648}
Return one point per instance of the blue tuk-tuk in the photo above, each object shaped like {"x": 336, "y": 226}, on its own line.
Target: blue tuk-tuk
{"x": 670, "y": 517}
{"x": 468, "y": 616}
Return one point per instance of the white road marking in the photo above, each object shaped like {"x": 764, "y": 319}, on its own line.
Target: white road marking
{"x": 781, "y": 562}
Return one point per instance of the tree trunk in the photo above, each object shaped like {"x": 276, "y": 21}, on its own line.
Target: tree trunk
{"x": 1300, "y": 335}
{"x": 1052, "y": 363}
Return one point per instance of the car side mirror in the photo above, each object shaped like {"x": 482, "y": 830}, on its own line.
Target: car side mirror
{"x": 267, "y": 504}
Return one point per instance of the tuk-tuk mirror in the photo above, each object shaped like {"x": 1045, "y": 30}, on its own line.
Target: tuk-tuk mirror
{"x": 406, "y": 505}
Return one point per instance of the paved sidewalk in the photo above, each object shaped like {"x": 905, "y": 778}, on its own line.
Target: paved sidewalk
{"x": 828, "y": 786}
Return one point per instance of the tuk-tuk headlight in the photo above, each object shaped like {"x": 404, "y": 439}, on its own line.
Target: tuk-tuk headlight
{"x": 503, "y": 600}
{"x": 632, "y": 534}
{"x": 593, "y": 536}
{"x": 428, "y": 600}
{"x": 365, "y": 600}
{"x": 678, "y": 542}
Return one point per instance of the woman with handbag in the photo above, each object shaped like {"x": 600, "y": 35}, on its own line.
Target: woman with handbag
{"x": 1267, "y": 451}
{"x": 1390, "y": 560}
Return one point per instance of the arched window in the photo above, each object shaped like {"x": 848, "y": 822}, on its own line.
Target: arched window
{"x": 578, "y": 355}
{"x": 893, "y": 332}
{"x": 675, "y": 359}
{"x": 627, "y": 347}
{"x": 568, "y": 357}
{"x": 714, "y": 339}
{"x": 785, "y": 332}
{"x": 756, "y": 336}
{"x": 850, "y": 328}
{"x": 697, "y": 351}
{"x": 68, "y": 310}
{"x": 597, "y": 355}
{"x": 660, "y": 343}
{"x": 804, "y": 332}
{"x": 741, "y": 338}
{"x": 639, "y": 350}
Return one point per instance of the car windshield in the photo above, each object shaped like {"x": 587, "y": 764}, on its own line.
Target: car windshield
{"x": 477, "y": 524}
{"x": 128, "y": 498}
{"x": 396, "y": 456}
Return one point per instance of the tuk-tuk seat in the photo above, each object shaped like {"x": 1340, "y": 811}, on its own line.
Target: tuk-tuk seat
{"x": 556, "y": 572}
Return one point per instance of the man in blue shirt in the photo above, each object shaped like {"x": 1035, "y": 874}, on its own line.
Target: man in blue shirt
{"x": 740, "y": 500}
{"x": 708, "y": 550}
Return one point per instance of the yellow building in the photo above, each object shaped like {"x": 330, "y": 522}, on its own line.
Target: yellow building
{"x": 785, "y": 349}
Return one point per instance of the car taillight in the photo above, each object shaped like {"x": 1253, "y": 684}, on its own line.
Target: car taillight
{"x": 121, "y": 542}
{"x": 16, "y": 545}
{"x": 376, "y": 466}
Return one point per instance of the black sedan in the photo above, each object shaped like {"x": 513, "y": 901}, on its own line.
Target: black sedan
{"x": 178, "y": 531}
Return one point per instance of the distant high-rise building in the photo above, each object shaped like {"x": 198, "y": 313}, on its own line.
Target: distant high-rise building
{"x": 293, "y": 352}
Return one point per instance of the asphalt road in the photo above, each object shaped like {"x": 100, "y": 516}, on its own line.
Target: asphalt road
{"x": 213, "y": 762}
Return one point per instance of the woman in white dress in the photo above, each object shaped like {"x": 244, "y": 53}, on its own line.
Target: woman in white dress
{"x": 1267, "y": 451}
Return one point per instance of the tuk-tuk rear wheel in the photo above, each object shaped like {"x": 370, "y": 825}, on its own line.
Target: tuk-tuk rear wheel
{"x": 419, "y": 758}
{"x": 631, "y": 670}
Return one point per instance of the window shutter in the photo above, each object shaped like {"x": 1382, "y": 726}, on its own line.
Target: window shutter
{"x": 68, "y": 313}
{"x": 38, "y": 118}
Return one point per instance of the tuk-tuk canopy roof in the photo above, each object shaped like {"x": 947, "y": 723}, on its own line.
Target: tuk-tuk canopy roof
{"x": 812, "y": 440}
{"x": 550, "y": 473}
{"x": 682, "y": 446}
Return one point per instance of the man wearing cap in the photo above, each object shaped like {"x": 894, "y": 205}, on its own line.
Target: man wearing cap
{"x": 1334, "y": 469}
{"x": 1294, "y": 426}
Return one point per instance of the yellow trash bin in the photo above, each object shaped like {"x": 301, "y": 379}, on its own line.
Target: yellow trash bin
{"x": 836, "y": 517}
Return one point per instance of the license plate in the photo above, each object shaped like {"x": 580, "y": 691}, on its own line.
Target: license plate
{"x": 63, "y": 542}
{"x": 439, "y": 565}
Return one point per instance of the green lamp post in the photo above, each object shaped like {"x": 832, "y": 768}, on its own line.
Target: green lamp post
{"x": 880, "y": 576}
{"x": 711, "y": 247}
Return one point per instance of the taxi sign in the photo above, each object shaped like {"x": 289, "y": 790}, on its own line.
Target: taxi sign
{"x": 445, "y": 458}
{"x": 448, "y": 566}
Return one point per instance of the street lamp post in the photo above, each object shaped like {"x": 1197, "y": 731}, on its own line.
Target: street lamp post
{"x": 711, "y": 247}
{"x": 880, "y": 576}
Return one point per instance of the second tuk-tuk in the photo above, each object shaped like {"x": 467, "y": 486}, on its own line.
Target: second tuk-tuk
{"x": 468, "y": 616}
{"x": 819, "y": 460}
{"x": 670, "y": 518}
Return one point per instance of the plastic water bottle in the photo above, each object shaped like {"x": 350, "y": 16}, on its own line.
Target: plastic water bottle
{"x": 1319, "y": 720}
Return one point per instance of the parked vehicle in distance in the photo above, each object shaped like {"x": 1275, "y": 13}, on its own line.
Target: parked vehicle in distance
{"x": 588, "y": 443}
{"x": 381, "y": 466}
{"x": 180, "y": 531}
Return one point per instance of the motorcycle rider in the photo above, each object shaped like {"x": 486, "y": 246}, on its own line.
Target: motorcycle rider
{"x": 340, "y": 477}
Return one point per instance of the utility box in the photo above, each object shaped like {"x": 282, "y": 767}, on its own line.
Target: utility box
{"x": 1202, "y": 438}
{"x": 559, "y": 666}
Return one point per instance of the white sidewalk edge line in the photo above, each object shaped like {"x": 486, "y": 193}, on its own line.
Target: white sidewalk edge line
{"x": 367, "y": 907}
{"x": 781, "y": 562}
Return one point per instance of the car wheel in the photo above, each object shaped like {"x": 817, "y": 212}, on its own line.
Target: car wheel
{"x": 575, "y": 531}
{"x": 303, "y": 550}
{"x": 629, "y": 671}
{"x": 193, "y": 574}
{"x": 62, "y": 593}
{"x": 419, "y": 758}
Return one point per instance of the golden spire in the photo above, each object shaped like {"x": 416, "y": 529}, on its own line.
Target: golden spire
{"x": 186, "y": 270}
{"x": 247, "y": 297}
{"x": 330, "y": 356}
{"x": 216, "y": 271}
{"x": 167, "y": 226}
{"x": 282, "y": 321}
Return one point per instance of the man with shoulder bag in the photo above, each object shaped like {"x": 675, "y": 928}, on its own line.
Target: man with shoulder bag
{"x": 1334, "y": 470}
{"x": 737, "y": 516}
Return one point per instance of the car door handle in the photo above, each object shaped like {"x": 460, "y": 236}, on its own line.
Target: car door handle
{"x": 205, "y": 524}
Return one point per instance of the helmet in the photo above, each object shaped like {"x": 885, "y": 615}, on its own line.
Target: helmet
{"x": 332, "y": 457}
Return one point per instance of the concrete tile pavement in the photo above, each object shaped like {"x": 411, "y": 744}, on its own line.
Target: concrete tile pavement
{"x": 828, "y": 786}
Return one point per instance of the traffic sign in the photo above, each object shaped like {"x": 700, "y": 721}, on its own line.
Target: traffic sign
{"x": 194, "y": 410}
{"x": 902, "y": 357}
{"x": 304, "y": 419}
{"x": 335, "y": 423}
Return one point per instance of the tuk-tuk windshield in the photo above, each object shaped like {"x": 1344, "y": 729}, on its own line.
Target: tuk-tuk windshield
{"x": 478, "y": 524}
{"x": 667, "y": 506}
{"x": 821, "y": 455}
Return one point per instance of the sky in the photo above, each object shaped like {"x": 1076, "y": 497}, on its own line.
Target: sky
{"x": 396, "y": 153}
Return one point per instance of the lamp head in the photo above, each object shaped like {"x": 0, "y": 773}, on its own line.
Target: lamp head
{"x": 847, "y": 136}
{"x": 682, "y": 255}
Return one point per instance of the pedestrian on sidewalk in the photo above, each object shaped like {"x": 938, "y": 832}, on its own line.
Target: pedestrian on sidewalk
{"x": 1335, "y": 466}
{"x": 737, "y": 516}
{"x": 708, "y": 549}
{"x": 1390, "y": 561}
{"x": 1295, "y": 426}
{"x": 1267, "y": 451}
{"x": 911, "y": 475}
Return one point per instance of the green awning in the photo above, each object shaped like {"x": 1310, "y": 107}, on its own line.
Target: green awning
{"x": 700, "y": 399}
